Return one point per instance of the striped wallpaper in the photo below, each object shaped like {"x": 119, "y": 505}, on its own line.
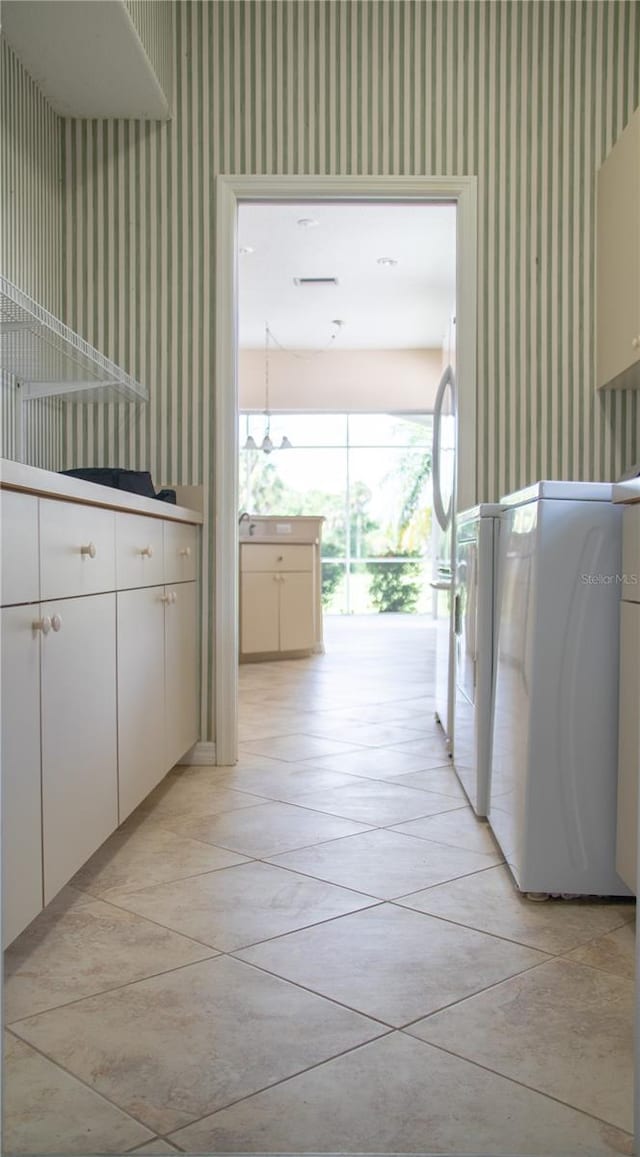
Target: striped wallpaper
{"x": 527, "y": 95}
{"x": 30, "y": 184}
{"x": 30, "y": 220}
{"x": 153, "y": 21}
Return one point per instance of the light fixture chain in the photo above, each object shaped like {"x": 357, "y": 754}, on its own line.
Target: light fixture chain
{"x": 308, "y": 354}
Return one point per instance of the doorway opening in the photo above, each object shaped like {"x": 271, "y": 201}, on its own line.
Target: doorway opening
{"x": 309, "y": 198}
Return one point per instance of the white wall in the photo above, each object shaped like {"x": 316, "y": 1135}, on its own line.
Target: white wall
{"x": 376, "y": 381}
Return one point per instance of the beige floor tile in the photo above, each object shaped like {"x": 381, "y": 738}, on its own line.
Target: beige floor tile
{"x": 371, "y": 734}
{"x": 296, "y": 747}
{"x": 242, "y": 905}
{"x": 194, "y": 791}
{"x": 84, "y": 949}
{"x": 435, "y": 746}
{"x": 442, "y": 780}
{"x": 392, "y": 964}
{"x": 374, "y": 763}
{"x": 614, "y": 952}
{"x": 134, "y": 857}
{"x": 378, "y": 802}
{"x": 397, "y": 1095}
{"x": 45, "y": 1110}
{"x": 178, "y": 1046}
{"x": 156, "y": 1148}
{"x": 491, "y": 902}
{"x": 384, "y": 864}
{"x": 562, "y": 1028}
{"x": 267, "y": 829}
{"x": 287, "y": 782}
{"x": 458, "y": 829}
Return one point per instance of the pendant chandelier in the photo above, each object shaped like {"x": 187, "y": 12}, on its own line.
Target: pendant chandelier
{"x": 266, "y": 445}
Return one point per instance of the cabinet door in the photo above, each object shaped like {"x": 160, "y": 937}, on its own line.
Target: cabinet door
{"x": 139, "y": 551}
{"x": 20, "y": 580}
{"x": 21, "y": 791}
{"x": 77, "y": 549}
{"x": 297, "y": 618}
{"x": 181, "y": 672}
{"x": 79, "y": 747}
{"x": 628, "y": 744}
{"x": 180, "y": 552}
{"x": 259, "y": 615}
{"x": 618, "y": 276}
{"x": 141, "y": 739}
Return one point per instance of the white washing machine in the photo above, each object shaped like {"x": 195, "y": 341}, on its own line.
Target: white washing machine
{"x": 475, "y": 623}
{"x": 552, "y": 803}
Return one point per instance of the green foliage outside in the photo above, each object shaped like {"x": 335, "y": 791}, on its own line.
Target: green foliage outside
{"x": 332, "y": 572}
{"x": 395, "y": 586}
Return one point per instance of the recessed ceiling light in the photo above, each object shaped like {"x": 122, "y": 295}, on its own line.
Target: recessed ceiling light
{"x": 246, "y": 249}
{"x": 389, "y": 261}
{"x": 307, "y": 222}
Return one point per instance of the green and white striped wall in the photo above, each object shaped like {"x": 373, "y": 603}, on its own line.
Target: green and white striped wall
{"x": 30, "y": 220}
{"x": 153, "y": 21}
{"x": 527, "y": 95}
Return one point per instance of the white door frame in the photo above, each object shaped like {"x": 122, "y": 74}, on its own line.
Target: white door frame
{"x": 230, "y": 190}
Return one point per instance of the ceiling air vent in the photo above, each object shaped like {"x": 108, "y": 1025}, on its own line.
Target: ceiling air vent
{"x": 301, "y": 282}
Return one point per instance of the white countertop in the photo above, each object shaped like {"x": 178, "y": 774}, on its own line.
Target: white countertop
{"x": 48, "y": 484}
{"x": 627, "y": 491}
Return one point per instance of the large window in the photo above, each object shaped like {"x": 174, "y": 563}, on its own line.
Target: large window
{"x": 369, "y": 475}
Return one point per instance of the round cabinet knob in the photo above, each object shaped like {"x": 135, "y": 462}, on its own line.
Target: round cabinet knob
{"x": 43, "y": 625}
{"x": 165, "y": 599}
{"x": 185, "y": 552}
{"x": 173, "y": 598}
{"x": 56, "y": 622}
{"x": 636, "y": 343}
{"x": 89, "y": 550}
{"x": 147, "y": 552}
{"x": 280, "y": 558}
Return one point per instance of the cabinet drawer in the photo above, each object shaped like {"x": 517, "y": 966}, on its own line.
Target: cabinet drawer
{"x": 19, "y": 522}
{"x": 77, "y": 549}
{"x": 139, "y": 551}
{"x": 631, "y": 553}
{"x": 268, "y": 556}
{"x": 180, "y": 552}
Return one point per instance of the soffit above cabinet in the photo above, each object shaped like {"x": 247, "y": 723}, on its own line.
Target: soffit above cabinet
{"x": 87, "y": 57}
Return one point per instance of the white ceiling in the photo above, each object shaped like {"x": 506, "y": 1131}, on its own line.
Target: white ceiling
{"x": 406, "y": 306}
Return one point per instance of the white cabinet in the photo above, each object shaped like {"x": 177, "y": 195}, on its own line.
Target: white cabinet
{"x": 140, "y": 695}
{"x": 259, "y": 613}
{"x": 618, "y": 262}
{"x": 157, "y": 686}
{"x": 629, "y": 698}
{"x": 297, "y": 624}
{"x": 19, "y": 577}
{"x": 79, "y": 749}
{"x": 21, "y": 794}
{"x": 77, "y": 549}
{"x": 139, "y": 551}
{"x": 628, "y": 743}
{"x": 181, "y": 689}
{"x": 99, "y": 677}
{"x": 180, "y": 552}
{"x": 277, "y": 599}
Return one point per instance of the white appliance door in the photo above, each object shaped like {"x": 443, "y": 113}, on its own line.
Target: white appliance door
{"x": 465, "y": 642}
{"x": 444, "y": 479}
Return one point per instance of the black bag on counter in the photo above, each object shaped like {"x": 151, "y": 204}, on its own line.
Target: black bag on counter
{"x": 135, "y": 481}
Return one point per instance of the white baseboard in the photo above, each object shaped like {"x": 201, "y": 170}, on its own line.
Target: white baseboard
{"x": 201, "y": 755}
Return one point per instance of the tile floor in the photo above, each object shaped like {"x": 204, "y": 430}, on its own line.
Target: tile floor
{"x": 319, "y": 951}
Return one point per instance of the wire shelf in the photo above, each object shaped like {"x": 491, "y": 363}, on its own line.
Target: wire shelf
{"x": 48, "y": 359}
